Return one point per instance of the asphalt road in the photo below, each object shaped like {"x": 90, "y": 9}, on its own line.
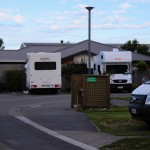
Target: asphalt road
{"x": 47, "y": 122}
{"x": 35, "y": 122}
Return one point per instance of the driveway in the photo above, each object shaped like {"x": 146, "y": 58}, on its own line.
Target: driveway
{"x": 58, "y": 116}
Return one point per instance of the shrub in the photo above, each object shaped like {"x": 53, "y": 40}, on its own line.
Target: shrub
{"x": 69, "y": 69}
{"x": 135, "y": 86}
{"x": 13, "y": 80}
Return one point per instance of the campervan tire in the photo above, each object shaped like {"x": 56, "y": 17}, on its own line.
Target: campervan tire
{"x": 55, "y": 91}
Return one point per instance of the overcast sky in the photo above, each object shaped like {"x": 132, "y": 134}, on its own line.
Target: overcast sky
{"x": 50, "y": 21}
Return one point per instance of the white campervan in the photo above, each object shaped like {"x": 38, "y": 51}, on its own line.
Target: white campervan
{"x": 43, "y": 71}
{"x": 117, "y": 64}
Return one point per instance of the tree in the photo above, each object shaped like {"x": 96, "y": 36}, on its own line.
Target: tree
{"x": 134, "y": 45}
{"x": 1, "y": 44}
{"x": 143, "y": 49}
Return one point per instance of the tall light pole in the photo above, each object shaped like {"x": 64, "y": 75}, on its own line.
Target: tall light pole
{"x": 89, "y": 8}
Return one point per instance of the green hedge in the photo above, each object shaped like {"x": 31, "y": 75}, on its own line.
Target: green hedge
{"x": 14, "y": 80}
{"x": 69, "y": 69}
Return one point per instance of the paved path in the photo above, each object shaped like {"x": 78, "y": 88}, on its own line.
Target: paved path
{"x": 72, "y": 124}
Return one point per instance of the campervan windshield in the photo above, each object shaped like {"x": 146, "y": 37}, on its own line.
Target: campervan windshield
{"x": 117, "y": 69}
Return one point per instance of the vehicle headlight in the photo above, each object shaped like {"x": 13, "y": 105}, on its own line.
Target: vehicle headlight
{"x": 147, "y": 102}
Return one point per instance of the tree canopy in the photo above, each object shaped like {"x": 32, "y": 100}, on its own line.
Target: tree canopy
{"x": 1, "y": 44}
{"x": 135, "y": 46}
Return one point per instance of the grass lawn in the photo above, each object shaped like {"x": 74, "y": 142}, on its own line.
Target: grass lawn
{"x": 117, "y": 121}
{"x": 121, "y": 98}
{"x": 129, "y": 144}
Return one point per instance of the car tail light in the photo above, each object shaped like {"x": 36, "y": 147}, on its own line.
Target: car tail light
{"x": 33, "y": 86}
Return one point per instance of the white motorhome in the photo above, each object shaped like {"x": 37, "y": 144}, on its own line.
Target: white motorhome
{"x": 117, "y": 64}
{"x": 43, "y": 71}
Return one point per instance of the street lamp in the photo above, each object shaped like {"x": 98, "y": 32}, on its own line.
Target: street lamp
{"x": 89, "y": 8}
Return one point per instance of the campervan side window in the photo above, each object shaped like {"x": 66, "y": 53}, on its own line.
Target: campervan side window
{"x": 99, "y": 68}
{"x": 94, "y": 66}
{"x": 45, "y": 65}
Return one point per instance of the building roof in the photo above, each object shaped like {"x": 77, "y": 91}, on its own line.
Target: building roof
{"x": 21, "y": 54}
{"x": 83, "y": 47}
{"x": 24, "y": 45}
{"x": 139, "y": 57}
{"x": 67, "y": 50}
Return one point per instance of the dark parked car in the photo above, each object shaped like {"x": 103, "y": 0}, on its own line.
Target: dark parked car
{"x": 139, "y": 105}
